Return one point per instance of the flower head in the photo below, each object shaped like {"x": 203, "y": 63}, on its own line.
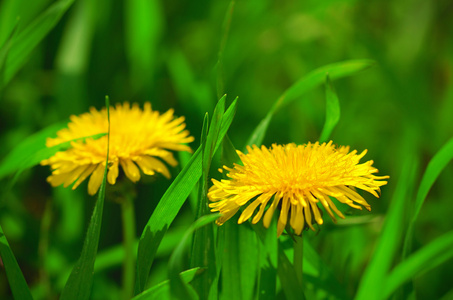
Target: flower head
{"x": 139, "y": 139}
{"x": 297, "y": 178}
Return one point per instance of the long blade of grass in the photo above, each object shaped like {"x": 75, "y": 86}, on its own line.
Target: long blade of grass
{"x": 80, "y": 281}
{"x": 303, "y": 85}
{"x": 203, "y": 254}
{"x": 435, "y": 167}
{"x": 332, "y": 111}
{"x": 161, "y": 291}
{"x": 170, "y": 204}
{"x": 225, "y": 31}
{"x": 30, "y": 37}
{"x": 371, "y": 284}
{"x": 16, "y": 279}
{"x": 178, "y": 288}
{"x": 430, "y": 256}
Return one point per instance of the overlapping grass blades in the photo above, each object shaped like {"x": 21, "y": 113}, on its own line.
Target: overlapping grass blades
{"x": 435, "y": 167}
{"x": 306, "y": 83}
{"x": 80, "y": 280}
{"x": 203, "y": 249}
{"x": 170, "y": 204}
{"x": 161, "y": 291}
{"x": 178, "y": 288}
{"x": 25, "y": 41}
{"x": 386, "y": 249}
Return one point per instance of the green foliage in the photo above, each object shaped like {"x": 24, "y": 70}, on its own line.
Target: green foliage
{"x": 390, "y": 62}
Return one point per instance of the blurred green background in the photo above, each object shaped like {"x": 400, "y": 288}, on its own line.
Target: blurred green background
{"x": 167, "y": 52}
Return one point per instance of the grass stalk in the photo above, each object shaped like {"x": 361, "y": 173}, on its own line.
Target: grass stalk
{"x": 128, "y": 219}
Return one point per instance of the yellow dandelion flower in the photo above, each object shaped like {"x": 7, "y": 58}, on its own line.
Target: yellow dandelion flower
{"x": 297, "y": 178}
{"x": 139, "y": 139}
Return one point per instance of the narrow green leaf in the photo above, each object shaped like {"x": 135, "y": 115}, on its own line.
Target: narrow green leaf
{"x": 332, "y": 111}
{"x": 80, "y": 281}
{"x": 288, "y": 277}
{"x": 203, "y": 242}
{"x": 16, "y": 279}
{"x": 161, "y": 291}
{"x": 306, "y": 83}
{"x": 435, "y": 167}
{"x": 430, "y": 256}
{"x": 170, "y": 204}
{"x": 24, "y": 43}
{"x": 178, "y": 288}
{"x": 376, "y": 273}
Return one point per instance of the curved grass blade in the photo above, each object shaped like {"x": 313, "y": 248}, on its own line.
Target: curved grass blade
{"x": 170, "y": 204}
{"x": 24, "y": 43}
{"x": 371, "y": 284}
{"x": 178, "y": 288}
{"x": 332, "y": 111}
{"x": 161, "y": 291}
{"x": 435, "y": 167}
{"x": 306, "y": 83}
{"x": 80, "y": 281}
{"x": 16, "y": 279}
{"x": 430, "y": 256}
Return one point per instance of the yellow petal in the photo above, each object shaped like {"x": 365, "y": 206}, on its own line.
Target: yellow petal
{"x": 96, "y": 179}
{"x": 113, "y": 173}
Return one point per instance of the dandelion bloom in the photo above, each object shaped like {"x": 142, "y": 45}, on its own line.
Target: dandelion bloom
{"x": 138, "y": 139}
{"x": 296, "y": 177}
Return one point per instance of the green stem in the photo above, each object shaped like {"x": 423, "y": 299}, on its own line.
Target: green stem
{"x": 299, "y": 258}
{"x": 128, "y": 218}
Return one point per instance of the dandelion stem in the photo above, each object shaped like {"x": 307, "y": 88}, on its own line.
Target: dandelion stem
{"x": 128, "y": 218}
{"x": 299, "y": 258}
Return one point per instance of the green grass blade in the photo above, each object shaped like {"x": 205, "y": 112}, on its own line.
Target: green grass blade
{"x": 80, "y": 281}
{"x": 16, "y": 279}
{"x": 170, "y": 204}
{"x": 225, "y": 31}
{"x": 161, "y": 291}
{"x": 306, "y": 83}
{"x": 389, "y": 242}
{"x": 30, "y": 37}
{"x": 178, "y": 288}
{"x": 240, "y": 262}
{"x": 203, "y": 254}
{"x": 332, "y": 111}
{"x": 435, "y": 167}
{"x": 288, "y": 278}
{"x": 430, "y": 256}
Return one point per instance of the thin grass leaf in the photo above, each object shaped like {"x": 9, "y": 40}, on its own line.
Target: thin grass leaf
{"x": 267, "y": 286}
{"x": 376, "y": 273}
{"x": 203, "y": 254}
{"x": 288, "y": 278}
{"x": 332, "y": 111}
{"x": 30, "y": 37}
{"x": 435, "y": 167}
{"x": 178, "y": 288}
{"x": 16, "y": 279}
{"x": 430, "y": 256}
{"x": 161, "y": 291}
{"x": 306, "y": 83}
{"x": 80, "y": 281}
{"x": 170, "y": 204}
